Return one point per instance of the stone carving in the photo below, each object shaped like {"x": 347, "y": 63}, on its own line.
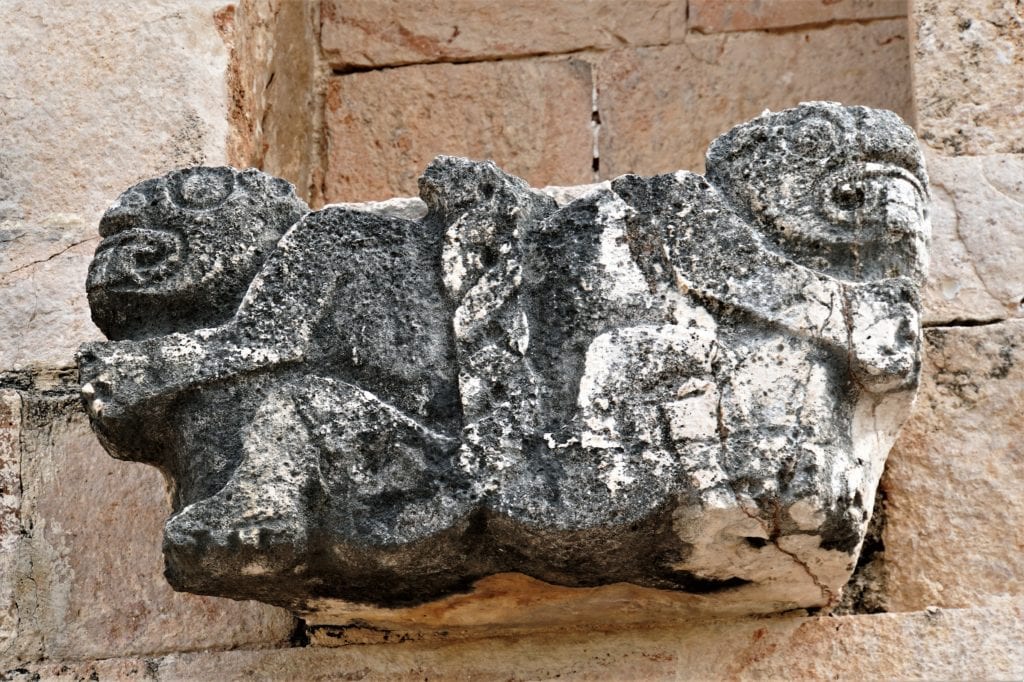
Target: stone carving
{"x": 680, "y": 382}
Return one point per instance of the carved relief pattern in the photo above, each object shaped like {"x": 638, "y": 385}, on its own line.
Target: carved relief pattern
{"x": 682, "y": 382}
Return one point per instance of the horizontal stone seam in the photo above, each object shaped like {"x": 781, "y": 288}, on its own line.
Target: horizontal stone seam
{"x": 244, "y": 647}
{"x": 157, "y": 658}
{"x": 430, "y": 638}
{"x": 963, "y": 322}
{"x": 340, "y": 68}
{"x": 796, "y": 28}
{"x": 62, "y": 380}
{"x": 337, "y": 70}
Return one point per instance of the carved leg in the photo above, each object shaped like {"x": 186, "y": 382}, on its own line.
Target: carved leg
{"x": 262, "y": 517}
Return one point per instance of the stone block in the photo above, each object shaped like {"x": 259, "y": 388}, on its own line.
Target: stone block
{"x": 89, "y": 571}
{"x": 977, "y": 644}
{"x": 718, "y": 16}
{"x": 977, "y": 239}
{"x": 273, "y": 78}
{"x": 533, "y": 117}
{"x": 97, "y": 95}
{"x": 378, "y": 33}
{"x": 87, "y": 111}
{"x": 10, "y": 514}
{"x": 660, "y": 107}
{"x": 969, "y": 75}
{"x": 954, "y": 531}
{"x": 364, "y": 416}
{"x": 44, "y": 315}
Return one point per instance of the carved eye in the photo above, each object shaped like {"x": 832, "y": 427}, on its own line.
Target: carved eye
{"x": 812, "y": 139}
{"x": 848, "y": 196}
{"x": 132, "y": 199}
{"x": 202, "y": 188}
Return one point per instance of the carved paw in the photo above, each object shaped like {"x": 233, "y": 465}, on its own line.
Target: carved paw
{"x": 99, "y": 375}
{"x": 119, "y": 378}
{"x": 886, "y": 335}
{"x": 257, "y": 535}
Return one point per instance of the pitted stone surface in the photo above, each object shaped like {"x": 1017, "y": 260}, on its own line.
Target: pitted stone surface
{"x": 680, "y": 382}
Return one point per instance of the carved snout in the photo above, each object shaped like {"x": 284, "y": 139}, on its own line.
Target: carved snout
{"x": 136, "y": 258}
{"x": 881, "y": 198}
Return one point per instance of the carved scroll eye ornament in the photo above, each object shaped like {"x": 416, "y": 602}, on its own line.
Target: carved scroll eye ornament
{"x": 201, "y": 188}
{"x": 872, "y": 193}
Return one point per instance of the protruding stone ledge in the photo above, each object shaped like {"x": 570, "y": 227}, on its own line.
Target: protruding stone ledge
{"x": 937, "y": 644}
{"x": 676, "y": 390}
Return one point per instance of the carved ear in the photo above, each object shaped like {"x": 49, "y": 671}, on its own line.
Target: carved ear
{"x": 450, "y": 185}
{"x": 481, "y": 214}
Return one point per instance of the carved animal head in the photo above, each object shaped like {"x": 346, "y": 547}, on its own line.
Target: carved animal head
{"x": 179, "y": 251}
{"x": 842, "y": 190}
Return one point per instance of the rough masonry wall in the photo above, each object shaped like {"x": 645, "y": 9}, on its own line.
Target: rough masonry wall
{"x": 100, "y": 95}
{"x": 569, "y": 93}
{"x": 94, "y": 96}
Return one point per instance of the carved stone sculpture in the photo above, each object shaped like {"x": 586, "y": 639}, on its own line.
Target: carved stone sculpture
{"x": 680, "y": 382}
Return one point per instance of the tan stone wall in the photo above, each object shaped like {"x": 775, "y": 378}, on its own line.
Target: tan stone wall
{"x": 349, "y": 99}
{"x": 573, "y": 92}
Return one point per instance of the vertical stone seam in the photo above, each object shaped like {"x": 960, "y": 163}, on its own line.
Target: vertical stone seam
{"x": 240, "y": 127}
{"x": 318, "y": 143}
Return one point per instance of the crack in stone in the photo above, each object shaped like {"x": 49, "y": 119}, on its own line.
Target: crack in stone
{"x": 960, "y": 238}
{"x": 773, "y": 537}
{"x": 4, "y": 275}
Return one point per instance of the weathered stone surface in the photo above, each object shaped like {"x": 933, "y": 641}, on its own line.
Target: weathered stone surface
{"x": 106, "y": 101}
{"x": 85, "y": 113}
{"x": 273, "y": 77}
{"x": 970, "y": 644}
{"x": 962, "y": 449}
{"x": 414, "y": 208}
{"x": 43, "y": 311}
{"x": 386, "y": 33}
{"x": 660, "y": 107}
{"x": 716, "y": 16}
{"x": 532, "y": 117}
{"x": 10, "y": 514}
{"x": 676, "y": 382}
{"x": 978, "y": 244}
{"x": 969, "y": 75}
{"x": 88, "y": 568}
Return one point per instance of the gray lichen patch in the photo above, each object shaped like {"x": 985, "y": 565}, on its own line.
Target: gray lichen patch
{"x": 680, "y": 382}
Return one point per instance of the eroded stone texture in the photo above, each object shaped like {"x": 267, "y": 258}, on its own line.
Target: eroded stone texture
{"x": 106, "y": 102}
{"x": 678, "y": 382}
{"x": 386, "y": 33}
{"x": 978, "y": 245}
{"x": 660, "y": 107}
{"x": 969, "y": 75}
{"x": 86, "y": 570}
{"x": 10, "y": 515}
{"x": 963, "y": 444}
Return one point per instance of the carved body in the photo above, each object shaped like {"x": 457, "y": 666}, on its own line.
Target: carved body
{"x": 670, "y": 382}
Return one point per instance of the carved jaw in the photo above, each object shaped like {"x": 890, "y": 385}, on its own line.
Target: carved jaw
{"x": 136, "y": 258}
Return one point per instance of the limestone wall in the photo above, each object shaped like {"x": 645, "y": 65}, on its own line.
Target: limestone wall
{"x": 349, "y": 99}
